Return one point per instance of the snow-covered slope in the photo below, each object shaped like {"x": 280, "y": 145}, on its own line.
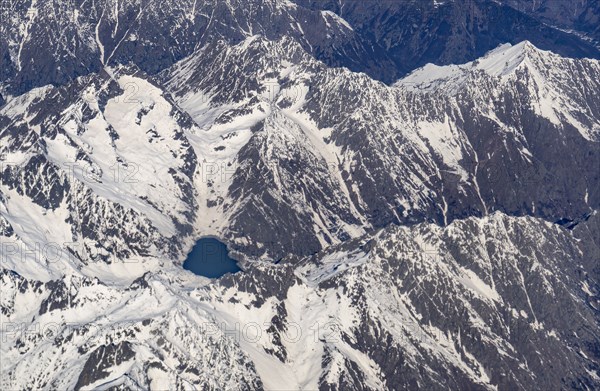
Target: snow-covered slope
{"x": 481, "y": 304}
{"x": 101, "y": 170}
{"x": 553, "y": 81}
{"x": 501, "y": 62}
{"x": 367, "y": 155}
{"x": 274, "y": 150}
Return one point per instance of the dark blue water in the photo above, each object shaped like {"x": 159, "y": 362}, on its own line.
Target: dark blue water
{"x": 210, "y": 258}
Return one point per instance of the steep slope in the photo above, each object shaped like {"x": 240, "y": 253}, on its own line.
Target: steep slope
{"x": 278, "y": 181}
{"x": 275, "y": 153}
{"x": 99, "y": 171}
{"x": 443, "y": 143}
{"x": 582, "y": 17}
{"x": 512, "y": 91}
{"x": 481, "y": 304}
{"x": 52, "y": 42}
{"x": 56, "y": 41}
{"x": 411, "y": 33}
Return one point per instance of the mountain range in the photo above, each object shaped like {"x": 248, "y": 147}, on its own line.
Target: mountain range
{"x": 410, "y": 187}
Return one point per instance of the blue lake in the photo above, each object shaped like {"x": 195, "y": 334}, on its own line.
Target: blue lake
{"x": 210, "y": 258}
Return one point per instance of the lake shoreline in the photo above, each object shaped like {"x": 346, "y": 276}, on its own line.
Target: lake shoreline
{"x": 211, "y": 258}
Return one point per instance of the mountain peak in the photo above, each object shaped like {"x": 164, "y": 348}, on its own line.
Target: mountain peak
{"x": 499, "y": 62}
{"x": 505, "y": 58}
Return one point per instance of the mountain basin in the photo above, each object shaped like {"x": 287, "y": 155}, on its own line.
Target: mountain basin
{"x": 210, "y": 258}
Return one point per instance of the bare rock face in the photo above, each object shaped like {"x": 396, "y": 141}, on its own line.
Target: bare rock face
{"x": 55, "y": 41}
{"x": 582, "y": 16}
{"x": 101, "y": 359}
{"x": 402, "y": 36}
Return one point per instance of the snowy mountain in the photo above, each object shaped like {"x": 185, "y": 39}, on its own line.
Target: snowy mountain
{"x": 469, "y": 153}
{"x": 404, "y": 35}
{"x": 437, "y": 232}
{"x": 53, "y": 41}
{"x": 480, "y": 304}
